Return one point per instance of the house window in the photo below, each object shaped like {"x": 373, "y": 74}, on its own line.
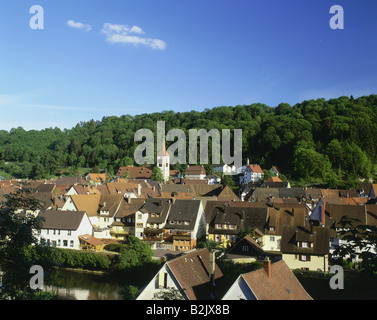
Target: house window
{"x": 304, "y": 257}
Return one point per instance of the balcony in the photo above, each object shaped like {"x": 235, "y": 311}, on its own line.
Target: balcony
{"x": 151, "y": 234}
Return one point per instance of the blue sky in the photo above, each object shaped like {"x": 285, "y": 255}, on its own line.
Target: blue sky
{"x": 98, "y": 58}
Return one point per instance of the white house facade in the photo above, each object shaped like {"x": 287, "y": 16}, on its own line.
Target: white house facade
{"x": 61, "y": 229}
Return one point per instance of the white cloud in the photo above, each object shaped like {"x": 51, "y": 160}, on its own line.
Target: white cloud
{"x": 118, "y": 33}
{"x": 136, "y": 29}
{"x": 79, "y": 25}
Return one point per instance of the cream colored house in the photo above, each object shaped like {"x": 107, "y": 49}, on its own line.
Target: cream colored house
{"x": 306, "y": 248}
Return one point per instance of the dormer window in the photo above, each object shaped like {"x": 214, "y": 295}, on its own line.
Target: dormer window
{"x": 304, "y": 244}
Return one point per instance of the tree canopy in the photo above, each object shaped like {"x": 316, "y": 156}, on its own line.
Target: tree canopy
{"x": 334, "y": 141}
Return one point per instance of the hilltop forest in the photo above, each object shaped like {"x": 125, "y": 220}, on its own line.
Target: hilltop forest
{"x": 333, "y": 142}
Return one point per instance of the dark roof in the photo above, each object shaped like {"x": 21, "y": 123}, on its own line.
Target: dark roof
{"x": 70, "y": 180}
{"x": 263, "y": 194}
{"x": 243, "y": 217}
{"x": 158, "y": 206}
{"x": 274, "y": 184}
{"x": 63, "y": 220}
{"x": 286, "y": 215}
{"x": 183, "y": 210}
{"x": 45, "y": 188}
{"x": 193, "y": 273}
{"x": 128, "y": 207}
{"x": 318, "y": 236}
{"x": 255, "y": 250}
{"x": 335, "y": 212}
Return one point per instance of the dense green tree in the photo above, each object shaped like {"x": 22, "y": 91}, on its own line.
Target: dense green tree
{"x": 341, "y": 133}
{"x": 19, "y": 249}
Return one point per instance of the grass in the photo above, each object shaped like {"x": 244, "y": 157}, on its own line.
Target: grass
{"x": 358, "y": 285}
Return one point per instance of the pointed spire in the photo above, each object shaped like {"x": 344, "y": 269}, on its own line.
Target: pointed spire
{"x": 163, "y": 152}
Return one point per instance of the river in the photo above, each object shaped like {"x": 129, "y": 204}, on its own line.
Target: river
{"x": 76, "y": 285}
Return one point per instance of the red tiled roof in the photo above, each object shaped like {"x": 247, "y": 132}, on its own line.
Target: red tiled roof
{"x": 255, "y": 168}
{"x": 192, "y": 272}
{"x": 282, "y": 284}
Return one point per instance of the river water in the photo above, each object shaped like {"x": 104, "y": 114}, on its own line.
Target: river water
{"x": 76, "y": 285}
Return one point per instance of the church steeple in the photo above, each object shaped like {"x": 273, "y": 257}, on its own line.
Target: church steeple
{"x": 163, "y": 162}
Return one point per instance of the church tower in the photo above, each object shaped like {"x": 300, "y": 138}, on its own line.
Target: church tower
{"x": 163, "y": 162}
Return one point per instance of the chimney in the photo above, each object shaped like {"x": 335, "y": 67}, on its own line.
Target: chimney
{"x": 267, "y": 266}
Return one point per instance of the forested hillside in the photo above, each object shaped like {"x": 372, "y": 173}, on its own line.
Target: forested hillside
{"x": 331, "y": 141}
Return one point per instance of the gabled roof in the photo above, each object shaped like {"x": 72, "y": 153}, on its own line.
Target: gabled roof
{"x": 254, "y": 168}
{"x": 318, "y": 236}
{"x": 227, "y": 194}
{"x": 192, "y": 270}
{"x": 242, "y": 217}
{"x": 88, "y": 203}
{"x": 194, "y": 170}
{"x": 274, "y": 179}
{"x": 128, "y": 207}
{"x": 135, "y": 172}
{"x": 335, "y": 212}
{"x": 45, "y": 188}
{"x": 110, "y": 203}
{"x": 120, "y": 187}
{"x": 279, "y": 217}
{"x": 282, "y": 284}
{"x": 97, "y": 177}
{"x": 157, "y": 206}
{"x": 63, "y": 220}
{"x": 237, "y": 251}
{"x": 210, "y": 213}
{"x": 183, "y": 210}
